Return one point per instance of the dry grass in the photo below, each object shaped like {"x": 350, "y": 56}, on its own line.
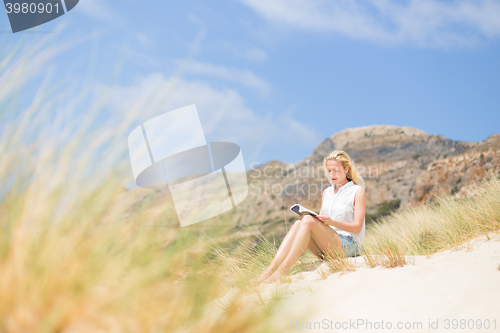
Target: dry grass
{"x": 323, "y": 273}
{"x": 370, "y": 257}
{"x": 248, "y": 260}
{"x": 337, "y": 261}
{"x": 73, "y": 256}
{"x": 434, "y": 227}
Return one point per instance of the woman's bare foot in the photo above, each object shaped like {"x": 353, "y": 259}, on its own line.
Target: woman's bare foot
{"x": 276, "y": 276}
{"x": 256, "y": 280}
{"x": 264, "y": 276}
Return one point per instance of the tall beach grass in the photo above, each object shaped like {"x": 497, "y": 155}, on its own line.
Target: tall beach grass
{"x": 74, "y": 257}
{"x": 446, "y": 223}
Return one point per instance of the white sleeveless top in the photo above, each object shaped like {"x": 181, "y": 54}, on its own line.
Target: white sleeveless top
{"x": 340, "y": 207}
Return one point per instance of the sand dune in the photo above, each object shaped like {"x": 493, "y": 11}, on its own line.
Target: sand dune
{"x": 461, "y": 284}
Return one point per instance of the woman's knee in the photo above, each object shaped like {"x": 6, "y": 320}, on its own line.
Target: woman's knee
{"x": 309, "y": 221}
{"x": 296, "y": 224}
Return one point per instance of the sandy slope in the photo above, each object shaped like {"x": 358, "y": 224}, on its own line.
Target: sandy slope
{"x": 462, "y": 284}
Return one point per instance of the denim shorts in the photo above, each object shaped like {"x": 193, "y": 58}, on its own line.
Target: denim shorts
{"x": 351, "y": 248}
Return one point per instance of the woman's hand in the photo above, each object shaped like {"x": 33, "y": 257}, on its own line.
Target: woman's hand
{"x": 325, "y": 219}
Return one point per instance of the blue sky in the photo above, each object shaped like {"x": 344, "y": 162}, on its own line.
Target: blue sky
{"x": 277, "y": 77}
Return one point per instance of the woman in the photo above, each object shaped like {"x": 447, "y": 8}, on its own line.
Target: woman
{"x": 340, "y": 225}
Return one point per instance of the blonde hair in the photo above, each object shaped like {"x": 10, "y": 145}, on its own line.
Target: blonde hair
{"x": 345, "y": 160}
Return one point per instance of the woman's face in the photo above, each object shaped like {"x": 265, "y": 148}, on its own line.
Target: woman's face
{"x": 336, "y": 172}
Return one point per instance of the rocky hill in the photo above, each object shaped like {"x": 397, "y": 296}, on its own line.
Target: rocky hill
{"x": 402, "y": 167}
{"x": 398, "y": 163}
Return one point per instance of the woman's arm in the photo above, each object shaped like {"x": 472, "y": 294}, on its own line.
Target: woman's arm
{"x": 359, "y": 215}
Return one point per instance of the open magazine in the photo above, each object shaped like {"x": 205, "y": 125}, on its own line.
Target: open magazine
{"x": 302, "y": 210}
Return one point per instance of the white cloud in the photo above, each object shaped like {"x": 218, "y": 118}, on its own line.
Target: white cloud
{"x": 223, "y": 113}
{"x": 252, "y": 54}
{"x": 144, "y": 39}
{"x": 243, "y": 77}
{"x": 96, "y": 9}
{"x": 429, "y": 23}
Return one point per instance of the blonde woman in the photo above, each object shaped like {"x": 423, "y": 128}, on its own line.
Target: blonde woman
{"x": 340, "y": 225}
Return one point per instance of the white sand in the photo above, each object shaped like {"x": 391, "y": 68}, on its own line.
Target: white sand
{"x": 462, "y": 284}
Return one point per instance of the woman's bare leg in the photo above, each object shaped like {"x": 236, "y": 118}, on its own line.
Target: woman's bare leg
{"x": 314, "y": 248}
{"x": 310, "y": 229}
{"x": 281, "y": 253}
